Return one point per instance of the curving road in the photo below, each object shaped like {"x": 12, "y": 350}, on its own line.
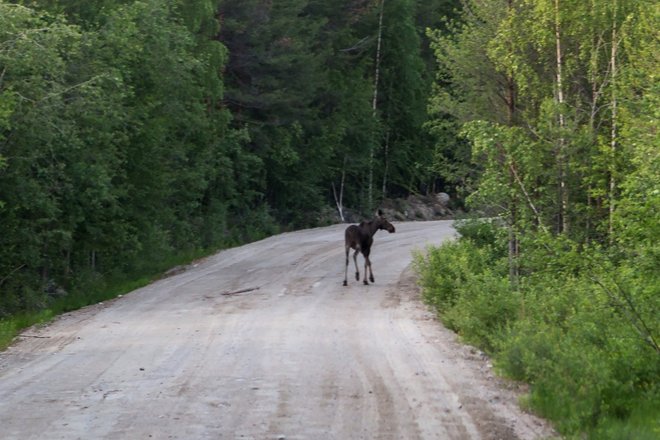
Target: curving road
{"x": 262, "y": 342}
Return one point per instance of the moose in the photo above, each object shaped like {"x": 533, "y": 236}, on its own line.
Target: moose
{"x": 361, "y": 237}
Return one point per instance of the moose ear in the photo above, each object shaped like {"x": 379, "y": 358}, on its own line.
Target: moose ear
{"x": 380, "y": 212}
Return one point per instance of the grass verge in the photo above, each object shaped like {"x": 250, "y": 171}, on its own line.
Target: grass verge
{"x": 91, "y": 289}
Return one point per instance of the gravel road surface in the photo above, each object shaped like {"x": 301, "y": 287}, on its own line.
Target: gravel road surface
{"x": 262, "y": 342}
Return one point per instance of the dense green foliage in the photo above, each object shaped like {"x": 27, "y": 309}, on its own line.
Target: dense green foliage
{"x": 557, "y": 104}
{"x": 136, "y": 131}
{"x": 112, "y": 156}
{"x": 580, "y": 327}
{"x": 301, "y": 79}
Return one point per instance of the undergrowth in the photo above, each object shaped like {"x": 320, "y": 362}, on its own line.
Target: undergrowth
{"x": 578, "y": 324}
{"x": 90, "y": 288}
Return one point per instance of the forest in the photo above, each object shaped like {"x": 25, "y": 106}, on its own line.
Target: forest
{"x": 139, "y": 134}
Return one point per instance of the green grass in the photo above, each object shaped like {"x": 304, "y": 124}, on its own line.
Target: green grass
{"x": 92, "y": 289}
{"x": 10, "y": 327}
{"x": 642, "y": 424}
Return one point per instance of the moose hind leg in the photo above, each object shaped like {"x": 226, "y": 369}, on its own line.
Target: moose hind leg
{"x": 357, "y": 270}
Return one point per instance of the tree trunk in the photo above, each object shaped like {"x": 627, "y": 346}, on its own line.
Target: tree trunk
{"x": 387, "y": 162}
{"x": 595, "y": 96}
{"x": 613, "y": 134}
{"x": 374, "y": 105}
{"x": 514, "y": 247}
{"x": 562, "y": 160}
{"x": 339, "y": 199}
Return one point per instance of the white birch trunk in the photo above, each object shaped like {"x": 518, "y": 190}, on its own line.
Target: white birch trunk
{"x": 374, "y": 104}
{"x": 614, "y": 134}
{"x": 339, "y": 198}
{"x": 561, "y": 156}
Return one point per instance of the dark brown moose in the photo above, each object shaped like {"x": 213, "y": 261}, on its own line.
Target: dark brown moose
{"x": 361, "y": 237}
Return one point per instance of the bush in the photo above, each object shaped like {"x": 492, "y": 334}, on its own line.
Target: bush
{"x": 445, "y": 270}
{"x": 467, "y": 285}
{"x": 482, "y": 232}
{"x": 483, "y": 309}
{"x": 642, "y": 424}
{"x": 579, "y": 326}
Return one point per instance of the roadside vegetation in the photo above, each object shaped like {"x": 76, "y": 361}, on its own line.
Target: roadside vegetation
{"x": 556, "y": 275}
{"x": 578, "y": 326}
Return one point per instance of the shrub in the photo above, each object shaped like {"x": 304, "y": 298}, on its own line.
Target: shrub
{"x": 482, "y": 232}
{"x": 584, "y": 360}
{"x": 484, "y": 307}
{"x": 445, "y": 269}
{"x": 580, "y": 326}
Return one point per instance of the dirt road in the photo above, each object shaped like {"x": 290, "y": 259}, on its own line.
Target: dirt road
{"x": 294, "y": 356}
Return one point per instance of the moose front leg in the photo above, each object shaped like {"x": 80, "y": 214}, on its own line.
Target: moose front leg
{"x": 346, "y": 267}
{"x": 367, "y": 266}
